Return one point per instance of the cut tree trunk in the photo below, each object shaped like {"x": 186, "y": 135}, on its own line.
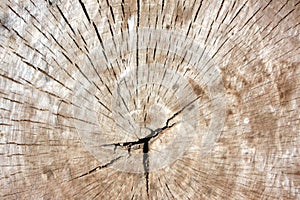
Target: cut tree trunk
{"x": 149, "y": 99}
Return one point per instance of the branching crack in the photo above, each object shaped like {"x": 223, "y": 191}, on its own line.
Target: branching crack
{"x": 145, "y": 143}
{"x": 145, "y": 140}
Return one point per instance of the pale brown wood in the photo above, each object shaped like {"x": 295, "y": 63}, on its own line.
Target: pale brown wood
{"x": 123, "y": 99}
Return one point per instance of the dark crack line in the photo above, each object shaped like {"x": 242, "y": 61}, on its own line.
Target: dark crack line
{"x": 99, "y": 167}
{"x": 154, "y": 133}
{"x": 145, "y": 140}
{"x": 167, "y": 186}
{"x": 180, "y": 111}
{"x": 137, "y": 47}
{"x": 146, "y": 164}
{"x": 85, "y": 10}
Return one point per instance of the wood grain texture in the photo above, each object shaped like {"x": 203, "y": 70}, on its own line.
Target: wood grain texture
{"x": 146, "y": 99}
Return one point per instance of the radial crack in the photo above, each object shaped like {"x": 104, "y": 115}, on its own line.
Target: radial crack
{"x": 99, "y": 167}
{"x": 180, "y": 111}
{"x": 146, "y": 164}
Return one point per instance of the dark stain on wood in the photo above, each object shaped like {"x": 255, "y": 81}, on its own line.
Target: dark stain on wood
{"x": 48, "y": 172}
{"x": 287, "y": 81}
{"x": 191, "y": 107}
{"x": 263, "y": 128}
{"x": 230, "y": 85}
{"x": 4, "y": 20}
{"x": 183, "y": 14}
{"x": 128, "y": 8}
{"x": 207, "y": 121}
{"x": 175, "y": 87}
{"x": 196, "y": 88}
{"x": 263, "y": 122}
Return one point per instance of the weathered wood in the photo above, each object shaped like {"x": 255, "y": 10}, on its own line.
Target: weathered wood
{"x": 149, "y": 99}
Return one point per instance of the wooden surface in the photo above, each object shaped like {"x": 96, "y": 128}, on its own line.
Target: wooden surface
{"x": 145, "y": 99}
